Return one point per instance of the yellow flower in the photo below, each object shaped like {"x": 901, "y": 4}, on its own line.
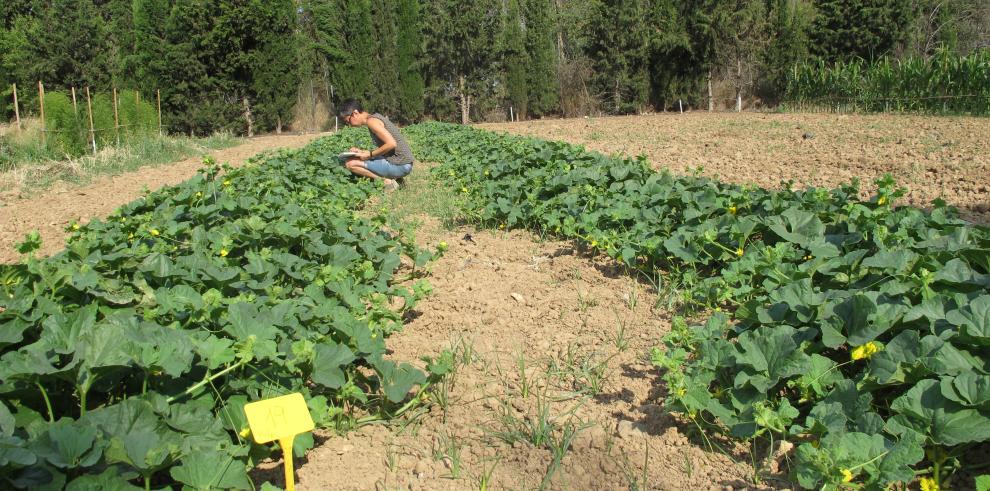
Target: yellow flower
{"x": 501, "y": 226}
{"x": 245, "y": 432}
{"x": 442, "y": 246}
{"x": 882, "y": 200}
{"x": 486, "y": 173}
{"x": 739, "y": 252}
{"x": 732, "y": 210}
{"x": 123, "y": 219}
{"x": 226, "y": 182}
{"x": 681, "y": 392}
{"x": 929, "y": 484}
{"x": 75, "y": 226}
{"x": 155, "y": 232}
{"x": 594, "y": 243}
{"x": 130, "y": 236}
{"x": 224, "y": 252}
{"x": 464, "y": 190}
{"x": 865, "y": 351}
{"x": 847, "y": 475}
{"x": 199, "y": 194}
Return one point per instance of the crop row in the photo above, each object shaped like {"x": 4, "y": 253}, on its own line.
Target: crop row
{"x": 127, "y": 358}
{"x": 859, "y": 331}
{"x": 946, "y": 82}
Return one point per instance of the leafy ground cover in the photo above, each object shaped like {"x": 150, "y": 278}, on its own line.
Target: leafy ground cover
{"x": 127, "y": 357}
{"x": 857, "y": 330}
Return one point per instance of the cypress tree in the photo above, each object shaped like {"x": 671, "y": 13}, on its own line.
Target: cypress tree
{"x": 789, "y": 24}
{"x": 384, "y": 66}
{"x": 675, "y": 73}
{"x": 409, "y": 51}
{"x": 459, "y": 36}
{"x": 867, "y": 29}
{"x": 514, "y": 59}
{"x": 544, "y": 90}
{"x": 355, "y": 65}
{"x": 274, "y": 81}
{"x": 148, "y": 60}
{"x": 618, "y": 51}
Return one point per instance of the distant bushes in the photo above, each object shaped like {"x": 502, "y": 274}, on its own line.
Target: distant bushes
{"x": 67, "y": 126}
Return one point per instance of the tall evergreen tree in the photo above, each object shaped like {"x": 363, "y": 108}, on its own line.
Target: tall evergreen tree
{"x": 514, "y": 58}
{"x": 384, "y": 65}
{"x": 409, "y": 51}
{"x": 868, "y": 29}
{"x": 789, "y": 24}
{"x": 148, "y": 59}
{"x": 459, "y": 37}
{"x": 675, "y": 71}
{"x": 354, "y": 68}
{"x": 274, "y": 82}
{"x": 544, "y": 89}
{"x": 618, "y": 49}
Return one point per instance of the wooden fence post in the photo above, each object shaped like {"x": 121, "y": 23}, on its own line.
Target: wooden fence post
{"x": 75, "y": 108}
{"x": 92, "y": 132}
{"x": 159, "y": 95}
{"x": 17, "y": 112}
{"x": 116, "y": 118}
{"x": 41, "y": 99}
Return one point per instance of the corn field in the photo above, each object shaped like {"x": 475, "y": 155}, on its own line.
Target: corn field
{"x": 945, "y": 83}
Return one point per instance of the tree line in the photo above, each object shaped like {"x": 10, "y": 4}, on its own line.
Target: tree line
{"x": 234, "y": 64}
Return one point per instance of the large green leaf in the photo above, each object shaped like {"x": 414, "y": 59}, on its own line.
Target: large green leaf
{"x": 773, "y": 353}
{"x": 69, "y": 445}
{"x": 973, "y": 319}
{"x": 798, "y": 226}
{"x": 327, "y": 363}
{"x": 923, "y": 409}
{"x": 399, "y": 379}
{"x": 212, "y": 471}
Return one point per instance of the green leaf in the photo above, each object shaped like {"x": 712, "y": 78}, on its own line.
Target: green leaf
{"x": 14, "y": 451}
{"x": 108, "y": 480}
{"x": 159, "y": 266}
{"x": 7, "y": 421}
{"x": 925, "y": 410}
{"x": 974, "y": 319}
{"x": 983, "y": 483}
{"x": 772, "y": 352}
{"x": 69, "y": 445}
{"x": 798, "y": 226}
{"x": 327, "y": 363}
{"x": 858, "y": 317}
{"x": 398, "y": 380}
{"x": 212, "y": 471}
{"x": 895, "y": 260}
{"x": 969, "y": 389}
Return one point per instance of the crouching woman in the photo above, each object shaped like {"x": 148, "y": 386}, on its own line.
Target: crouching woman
{"x": 390, "y": 159}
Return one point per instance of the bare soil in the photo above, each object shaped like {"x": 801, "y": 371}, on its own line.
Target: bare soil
{"x": 50, "y": 211}
{"x": 542, "y": 334}
{"x": 933, "y": 157}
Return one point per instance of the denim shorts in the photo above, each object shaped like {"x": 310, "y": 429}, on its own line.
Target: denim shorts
{"x": 383, "y": 168}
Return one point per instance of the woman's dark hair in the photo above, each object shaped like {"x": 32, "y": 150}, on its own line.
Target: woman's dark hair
{"x": 349, "y": 106}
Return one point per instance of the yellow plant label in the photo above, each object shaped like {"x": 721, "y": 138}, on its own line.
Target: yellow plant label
{"x": 279, "y": 418}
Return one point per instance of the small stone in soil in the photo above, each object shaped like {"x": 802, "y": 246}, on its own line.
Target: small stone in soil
{"x": 517, "y": 297}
